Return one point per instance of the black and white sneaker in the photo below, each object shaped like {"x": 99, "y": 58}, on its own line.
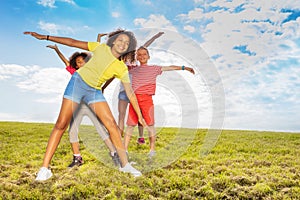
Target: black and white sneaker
{"x": 115, "y": 158}
{"x": 77, "y": 161}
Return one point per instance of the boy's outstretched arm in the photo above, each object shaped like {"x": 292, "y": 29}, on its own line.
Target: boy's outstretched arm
{"x": 147, "y": 44}
{"x": 174, "y": 67}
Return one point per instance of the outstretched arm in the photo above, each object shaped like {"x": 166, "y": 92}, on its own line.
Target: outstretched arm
{"x": 61, "y": 40}
{"x": 61, "y": 56}
{"x": 174, "y": 67}
{"x": 147, "y": 44}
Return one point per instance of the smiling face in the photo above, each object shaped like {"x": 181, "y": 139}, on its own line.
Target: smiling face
{"x": 80, "y": 61}
{"x": 142, "y": 56}
{"x": 120, "y": 45}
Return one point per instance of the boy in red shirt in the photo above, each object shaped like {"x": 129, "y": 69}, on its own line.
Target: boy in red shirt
{"x": 144, "y": 85}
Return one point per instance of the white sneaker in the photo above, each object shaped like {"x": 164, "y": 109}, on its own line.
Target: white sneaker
{"x": 43, "y": 174}
{"x": 129, "y": 169}
{"x": 152, "y": 153}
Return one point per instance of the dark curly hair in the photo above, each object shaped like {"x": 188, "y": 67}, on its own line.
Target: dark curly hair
{"x": 84, "y": 55}
{"x": 130, "y": 53}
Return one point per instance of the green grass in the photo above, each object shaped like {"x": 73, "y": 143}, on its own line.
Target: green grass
{"x": 242, "y": 165}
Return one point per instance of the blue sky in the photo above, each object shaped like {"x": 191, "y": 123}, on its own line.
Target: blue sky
{"x": 246, "y": 55}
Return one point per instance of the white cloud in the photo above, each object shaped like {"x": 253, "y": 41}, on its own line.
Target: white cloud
{"x": 16, "y": 70}
{"x": 254, "y": 27}
{"x": 257, "y": 93}
{"x": 189, "y": 28}
{"x": 47, "y": 3}
{"x": 45, "y": 81}
{"x": 155, "y": 21}
{"x": 69, "y": 2}
{"x": 200, "y": 1}
{"x": 115, "y": 14}
{"x": 36, "y": 79}
{"x": 193, "y": 15}
{"x": 147, "y": 2}
{"x": 49, "y": 27}
{"x": 9, "y": 70}
{"x": 265, "y": 101}
{"x": 53, "y": 28}
{"x": 50, "y": 3}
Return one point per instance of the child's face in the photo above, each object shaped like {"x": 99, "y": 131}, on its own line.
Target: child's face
{"x": 80, "y": 61}
{"x": 121, "y": 44}
{"x": 142, "y": 56}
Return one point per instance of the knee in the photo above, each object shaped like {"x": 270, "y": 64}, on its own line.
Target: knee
{"x": 111, "y": 126}
{"x": 61, "y": 125}
{"x": 111, "y": 123}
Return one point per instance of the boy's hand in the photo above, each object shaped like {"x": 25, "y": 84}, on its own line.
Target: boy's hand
{"x": 190, "y": 69}
{"x": 159, "y": 34}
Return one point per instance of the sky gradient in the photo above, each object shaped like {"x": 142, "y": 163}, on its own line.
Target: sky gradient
{"x": 245, "y": 53}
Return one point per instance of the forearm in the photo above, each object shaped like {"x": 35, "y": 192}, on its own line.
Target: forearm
{"x": 132, "y": 98}
{"x": 171, "y": 67}
{"x": 61, "y": 40}
{"x": 62, "y": 57}
{"x": 151, "y": 40}
{"x": 134, "y": 103}
{"x": 174, "y": 67}
{"x": 67, "y": 41}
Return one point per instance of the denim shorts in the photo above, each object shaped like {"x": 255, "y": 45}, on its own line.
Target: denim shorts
{"x": 77, "y": 90}
{"x": 123, "y": 96}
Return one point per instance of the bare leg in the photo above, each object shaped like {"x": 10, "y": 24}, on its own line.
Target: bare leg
{"x": 127, "y": 136}
{"x": 152, "y": 137}
{"x": 82, "y": 111}
{"x": 141, "y": 131}
{"x": 103, "y": 112}
{"x": 74, "y": 129}
{"x": 75, "y": 148}
{"x": 61, "y": 125}
{"x": 109, "y": 145}
{"x": 122, "y": 106}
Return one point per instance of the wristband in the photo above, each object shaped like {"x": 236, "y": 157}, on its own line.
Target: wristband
{"x": 47, "y": 37}
{"x": 182, "y": 67}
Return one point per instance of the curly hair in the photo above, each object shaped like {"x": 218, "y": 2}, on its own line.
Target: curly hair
{"x": 84, "y": 55}
{"x": 129, "y": 54}
{"x": 128, "y": 57}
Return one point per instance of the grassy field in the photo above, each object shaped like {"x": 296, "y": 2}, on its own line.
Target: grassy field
{"x": 242, "y": 165}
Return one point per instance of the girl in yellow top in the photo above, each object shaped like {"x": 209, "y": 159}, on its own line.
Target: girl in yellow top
{"x": 86, "y": 84}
